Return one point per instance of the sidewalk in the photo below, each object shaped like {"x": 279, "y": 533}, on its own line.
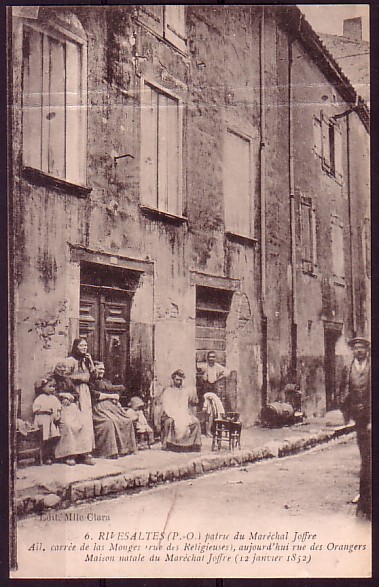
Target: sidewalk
{"x": 42, "y": 487}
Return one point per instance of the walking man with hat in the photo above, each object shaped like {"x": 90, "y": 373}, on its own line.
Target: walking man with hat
{"x": 355, "y": 390}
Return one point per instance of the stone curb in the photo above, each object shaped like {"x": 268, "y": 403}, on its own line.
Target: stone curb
{"x": 121, "y": 483}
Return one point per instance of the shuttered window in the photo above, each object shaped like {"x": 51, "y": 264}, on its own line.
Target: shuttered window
{"x": 167, "y": 22}
{"x": 338, "y": 249}
{"x": 332, "y": 147}
{"x": 308, "y": 235}
{"x": 367, "y": 246}
{"x": 161, "y": 151}
{"x": 175, "y": 30}
{"x": 53, "y": 105}
{"x": 317, "y": 139}
{"x": 238, "y": 184}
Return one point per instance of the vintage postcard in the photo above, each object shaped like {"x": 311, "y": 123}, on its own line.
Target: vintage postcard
{"x": 189, "y": 221}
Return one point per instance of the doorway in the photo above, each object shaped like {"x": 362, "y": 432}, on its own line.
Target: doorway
{"x": 332, "y": 332}
{"x": 212, "y": 310}
{"x": 104, "y": 319}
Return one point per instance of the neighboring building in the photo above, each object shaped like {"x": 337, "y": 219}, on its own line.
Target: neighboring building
{"x": 352, "y": 54}
{"x": 186, "y": 178}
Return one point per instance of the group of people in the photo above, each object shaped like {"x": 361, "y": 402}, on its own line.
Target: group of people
{"x": 80, "y": 414}
{"x": 79, "y": 411}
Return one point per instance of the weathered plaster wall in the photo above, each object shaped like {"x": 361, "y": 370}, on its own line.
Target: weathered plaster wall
{"x": 321, "y": 297}
{"x": 276, "y": 135}
{"x": 361, "y": 224}
{"x": 219, "y": 82}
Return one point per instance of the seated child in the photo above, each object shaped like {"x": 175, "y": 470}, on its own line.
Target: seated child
{"x": 47, "y": 411}
{"x": 135, "y": 412}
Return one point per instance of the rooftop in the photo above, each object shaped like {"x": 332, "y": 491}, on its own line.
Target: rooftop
{"x": 353, "y": 57}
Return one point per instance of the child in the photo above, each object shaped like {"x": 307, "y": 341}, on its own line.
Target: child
{"x": 47, "y": 411}
{"x": 135, "y": 413}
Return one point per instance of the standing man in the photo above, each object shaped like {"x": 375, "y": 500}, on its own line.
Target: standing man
{"x": 355, "y": 396}
{"x": 211, "y": 373}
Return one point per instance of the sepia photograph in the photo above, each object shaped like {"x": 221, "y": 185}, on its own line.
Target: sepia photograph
{"x": 189, "y": 291}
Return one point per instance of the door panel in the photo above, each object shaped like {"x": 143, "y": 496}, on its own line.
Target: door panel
{"x": 89, "y": 321}
{"x": 330, "y": 339}
{"x": 105, "y": 322}
{"x": 116, "y": 336}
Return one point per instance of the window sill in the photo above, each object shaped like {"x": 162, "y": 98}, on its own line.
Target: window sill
{"x": 308, "y": 268}
{"x": 339, "y": 283}
{"x": 337, "y": 178}
{"x": 309, "y": 273}
{"x": 239, "y": 238}
{"x": 45, "y": 180}
{"x": 156, "y": 214}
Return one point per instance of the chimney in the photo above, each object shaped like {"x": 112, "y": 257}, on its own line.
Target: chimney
{"x": 352, "y": 28}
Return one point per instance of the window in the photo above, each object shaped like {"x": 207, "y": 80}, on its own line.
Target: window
{"x": 238, "y": 184}
{"x": 167, "y": 22}
{"x": 331, "y": 147}
{"x": 161, "y": 150}
{"x": 338, "y": 250}
{"x": 308, "y": 235}
{"x": 54, "y": 104}
{"x": 367, "y": 246}
{"x": 317, "y": 140}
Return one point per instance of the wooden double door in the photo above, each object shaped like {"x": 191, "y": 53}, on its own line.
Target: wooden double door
{"x": 104, "y": 321}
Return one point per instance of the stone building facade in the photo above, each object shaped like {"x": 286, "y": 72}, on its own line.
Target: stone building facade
{"x": 185, "y": 179}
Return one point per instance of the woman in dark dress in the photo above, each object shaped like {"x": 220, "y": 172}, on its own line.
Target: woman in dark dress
{"x": 114, "y": 430}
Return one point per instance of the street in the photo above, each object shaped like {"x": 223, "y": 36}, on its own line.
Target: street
{"x": 303, "y": 500}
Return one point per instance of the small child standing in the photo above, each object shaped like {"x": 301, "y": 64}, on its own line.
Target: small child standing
{"x": 47, "y": 410}
{"x": 135, "y": 412}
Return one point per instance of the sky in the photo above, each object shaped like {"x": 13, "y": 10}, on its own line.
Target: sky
{"x": 328, "y": 18}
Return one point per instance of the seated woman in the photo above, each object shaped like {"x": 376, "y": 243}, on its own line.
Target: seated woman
{"x": 72, "y": 443}
{"x": 114, "y": 431}
{"x": 180, "y": 428}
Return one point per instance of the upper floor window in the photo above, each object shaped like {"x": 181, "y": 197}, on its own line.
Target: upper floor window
{"x": 238, "y": 184}
{"x": 367, "y": 246}
{"x": 331, "y": 147}
{"x": 338, "y": 256}
{"x": 161, "y": 150}
{"x": 308, "y": 235}
{"x": 54, "y": 116}
{"x": 166, "y": 21}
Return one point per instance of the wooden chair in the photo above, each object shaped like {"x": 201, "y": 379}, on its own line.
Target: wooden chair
{"x": 226, "y": 430}
{"x": 29, "y": 441}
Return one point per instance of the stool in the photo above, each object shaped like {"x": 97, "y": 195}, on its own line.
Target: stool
{"x": 143, "y": 437}
{"x": 226, "y": 431}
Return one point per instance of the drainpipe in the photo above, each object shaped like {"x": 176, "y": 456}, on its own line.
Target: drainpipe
{"x": 293, "y": 367}
{"x": 353, "y": 300}
{"x": 262, "y": 153}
